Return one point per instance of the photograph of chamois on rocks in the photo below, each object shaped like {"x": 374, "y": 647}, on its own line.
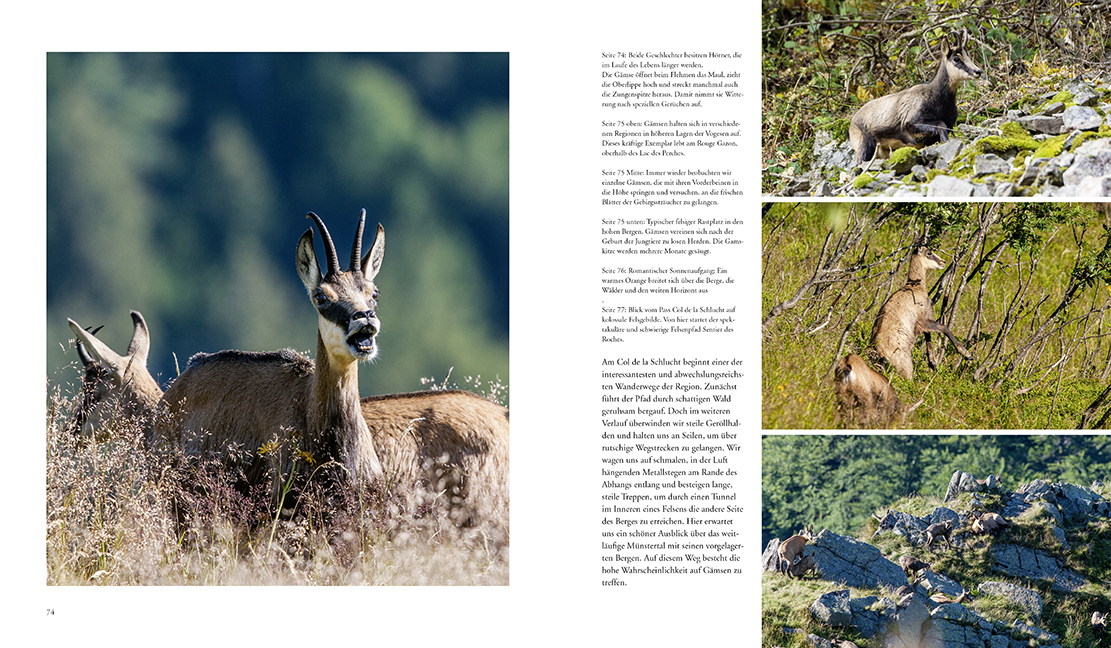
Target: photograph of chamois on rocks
{"x": 936, "y": 315}
{"x": 957, "y": 99}
{"x": 247, "y": 384}
{"x": 930, "y": 541}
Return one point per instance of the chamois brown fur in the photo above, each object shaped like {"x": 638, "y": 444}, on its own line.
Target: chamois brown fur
{"x": 911, "y": 565}
{"x": 242, "y": 401}
{"x": 864, "y": 394}
{"x": 965, "y": 597}
{"x": 918, "y": 116}
{"x": 114, "y": 387}
{"x": 908, "y": 313}
{"x": 941, "y": 530}
{"x": 800, "y": 568}
{"x": 451, "y": 443}
{"x": 990, "y": 523}
{"x": 791, "y": 548}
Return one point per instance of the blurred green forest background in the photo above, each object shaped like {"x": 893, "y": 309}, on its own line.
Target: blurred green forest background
{"x": 836, "y": 482}
{"x": 177, "y": 185}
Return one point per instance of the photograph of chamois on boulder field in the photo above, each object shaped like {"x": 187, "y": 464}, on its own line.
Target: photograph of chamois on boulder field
{"x": 928, "y": 541}
{"x": 238, "y": 207}
{"x": 913, "y": 98}
{"x": 936, "y": 315}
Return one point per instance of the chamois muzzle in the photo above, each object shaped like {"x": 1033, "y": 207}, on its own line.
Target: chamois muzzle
{"x": 363, "y": 329}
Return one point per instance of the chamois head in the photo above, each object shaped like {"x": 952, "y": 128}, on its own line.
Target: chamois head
{"x": 924, "y": 258}
{"x": 959, "y": 65}
{"x": 114, "y": 385}
{"x": 345, "y": 300}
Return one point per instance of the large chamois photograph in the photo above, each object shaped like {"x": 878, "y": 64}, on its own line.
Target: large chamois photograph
{"x": 277, "y": 319}
{"x": 962, "y": 316}
{"x": 933, "y": 541}
{"x": 941, "y": 100}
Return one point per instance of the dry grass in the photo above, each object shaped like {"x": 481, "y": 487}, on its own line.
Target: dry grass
{"x": 118, "y": 514}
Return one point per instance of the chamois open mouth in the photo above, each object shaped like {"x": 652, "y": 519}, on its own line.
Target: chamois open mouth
{"x": 362, "y": 341}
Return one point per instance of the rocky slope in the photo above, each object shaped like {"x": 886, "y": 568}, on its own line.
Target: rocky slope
{"x": 925, "y": 612}
{"x": 1057, "y": 144}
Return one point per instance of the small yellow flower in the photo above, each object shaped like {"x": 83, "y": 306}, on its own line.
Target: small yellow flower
{"x": 307, "y": 457}
{"x": 268, "y": 448}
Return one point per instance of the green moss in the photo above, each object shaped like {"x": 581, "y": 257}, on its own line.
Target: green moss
{"x": 1051, "y": 147}
{"x": 1103, "y": 131}
{"x": 839, "y": 129}
{"x": 1014, "y": 138}
{"x": 1063, "y": 96}
{"x": 901, "y": 155}
{"x": 863, "y": 180}
{"x": 1013, "y": 129}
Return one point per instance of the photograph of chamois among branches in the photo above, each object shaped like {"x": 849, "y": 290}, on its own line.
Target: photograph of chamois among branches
{"x": 312, "y": 387}
{"x": 936, "y": 315}
{"x": 927, "y": 541}
{"x": 956, "y": 100}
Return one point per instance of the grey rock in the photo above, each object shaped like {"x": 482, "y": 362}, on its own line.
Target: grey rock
{"x": 770, "y": 558}
{"x": 833, "y": 609}
{"x": 907, "y": 630}
{"x": 934, "y": 583}
{"x": 854, "y": 563}
{"x": 1080, "y": 118}
{"x": 1090, "y": 161}
{"x": 949, "y": 187}
{"x": 1029, "y": 600}
{"x": 1042, "y": 123}
{"x": 1031, "y": 563}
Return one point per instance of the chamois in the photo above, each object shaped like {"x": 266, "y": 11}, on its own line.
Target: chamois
{"x": 990, "y": 523}
{"x": 452, "y": 442}
{"x": 912, "y": 565}
{"x": 940, "y": 530}
{"x": 800, "y": 568}
{"x": 860, "y": 386}
{"x": 791, "y": 548}
{"x": 249, "y": 400}
{"x": 965, "y": 597}
{"x": 908, "y": 313}
{"x": 918, "y": 116}
{"x": 114, "y": 387}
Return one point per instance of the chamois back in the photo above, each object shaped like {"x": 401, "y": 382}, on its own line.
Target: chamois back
{"x": 939, "y": 531}
{"x": 864, "y": 394}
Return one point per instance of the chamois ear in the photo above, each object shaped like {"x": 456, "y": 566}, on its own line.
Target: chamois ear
{"x": 372, "y": 262}
{"x": 307, "y": 267}
{"x": 139, "y": 347}
{"x": 104, "y": 356}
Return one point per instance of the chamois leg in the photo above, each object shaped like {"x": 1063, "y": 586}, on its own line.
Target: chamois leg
{"x": 929, "y": 352}
{"x": 935, "y": 128}
{"x": 938, "y": 327}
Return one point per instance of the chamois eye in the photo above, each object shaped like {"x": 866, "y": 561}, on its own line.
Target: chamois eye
{"x": 374, "y": 295}
{"x": 319, "y": 298}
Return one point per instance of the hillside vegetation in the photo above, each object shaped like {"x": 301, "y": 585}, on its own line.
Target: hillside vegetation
{"x": 823, "y": 59}
{"x": 869, "y": 500}
{"x": 120, "y": 514}
{"x": 1026, "y": 287}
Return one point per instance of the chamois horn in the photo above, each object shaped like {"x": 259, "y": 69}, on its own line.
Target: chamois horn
{"x": 329, "y": 247}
